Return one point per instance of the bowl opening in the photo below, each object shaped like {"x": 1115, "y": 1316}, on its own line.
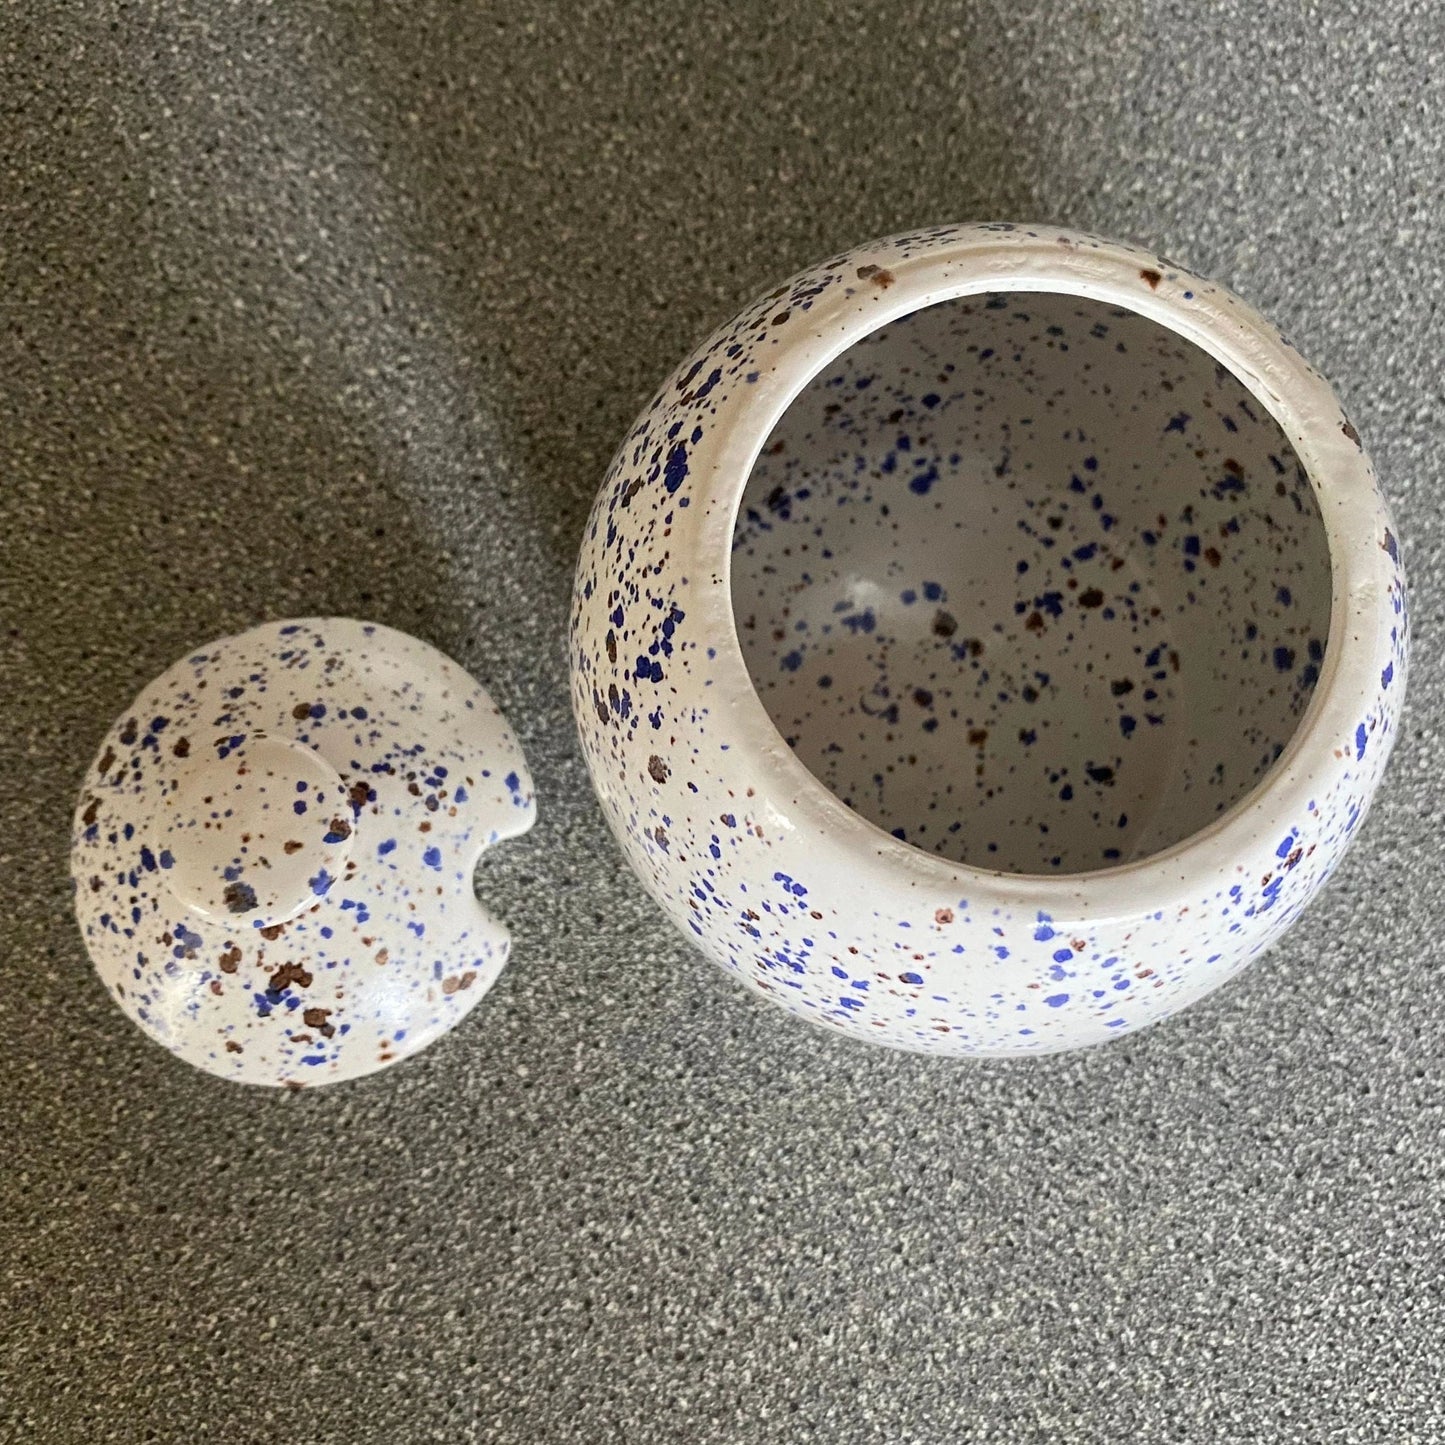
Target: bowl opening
{"x": 1031, "y": 582}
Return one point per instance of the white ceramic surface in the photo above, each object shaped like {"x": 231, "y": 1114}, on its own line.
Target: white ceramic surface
{"x": 989, "y": 641}
{"x": 274, "y": 849}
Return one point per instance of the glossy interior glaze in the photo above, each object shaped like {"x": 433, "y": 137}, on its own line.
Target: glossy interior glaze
{"x": 1032, "y": 582}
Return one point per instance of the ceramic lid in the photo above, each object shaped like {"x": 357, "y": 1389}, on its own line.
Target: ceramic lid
{"x": 274, "y": 847}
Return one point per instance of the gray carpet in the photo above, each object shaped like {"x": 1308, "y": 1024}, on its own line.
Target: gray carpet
{"x": 342, "y": 309}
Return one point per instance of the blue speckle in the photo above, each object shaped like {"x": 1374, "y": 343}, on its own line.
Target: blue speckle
{"x": 432, "y": 857}
{"x": 676, "y": 471}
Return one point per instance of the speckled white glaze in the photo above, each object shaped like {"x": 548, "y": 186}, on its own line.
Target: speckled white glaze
{"x": 274, "y": 849}
{"x": 989, "y": 641}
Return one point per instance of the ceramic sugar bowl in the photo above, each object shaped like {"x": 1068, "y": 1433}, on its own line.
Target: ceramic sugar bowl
{"x": 989, "y": 641}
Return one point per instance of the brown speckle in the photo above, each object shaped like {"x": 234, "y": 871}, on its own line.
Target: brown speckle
{"x": 128, "y": 732}
{"x": 107, "y": 760}
{"x": 945, "y": 624}
{"x": 360, "y": 793}
{"x": 239, "y": 896}
{"x": 341, "y": 828}
{"x": 232, "y": 1047}
{"x": 1352, "y": 434}
{"x": 1153, "y": 278}
{"x": 301, "y": 710}
{"x": 288, "y": 974}
{"x": 316, "y": 1018}
{"x": 92, "y": 809}
{"x": 1091, "y": 598}
{"x": 292, "y": 845}
{"x": 657, "y": 769}
{"x": 1035, "y": 622}
{"x": 978, "y": 736}
{"x": 182, "y": 748}
{"x": 943, "y": 915}
{"x": 272, "y": 933}
{"x": 230, "y": 960}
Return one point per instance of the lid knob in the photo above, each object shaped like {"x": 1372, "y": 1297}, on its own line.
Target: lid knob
{"x": 256, "y": 835}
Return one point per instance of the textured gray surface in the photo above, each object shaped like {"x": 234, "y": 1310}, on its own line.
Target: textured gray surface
{"x": 343, "y": 310}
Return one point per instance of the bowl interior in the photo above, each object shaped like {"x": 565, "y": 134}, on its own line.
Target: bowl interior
{"x": 1031, "y": 582}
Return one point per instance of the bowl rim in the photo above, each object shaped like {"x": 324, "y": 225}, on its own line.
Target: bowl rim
{"x": 936, "y": 266}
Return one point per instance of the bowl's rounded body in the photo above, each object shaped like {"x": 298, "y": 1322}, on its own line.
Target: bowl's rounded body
{"x": 807, "y": 901}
